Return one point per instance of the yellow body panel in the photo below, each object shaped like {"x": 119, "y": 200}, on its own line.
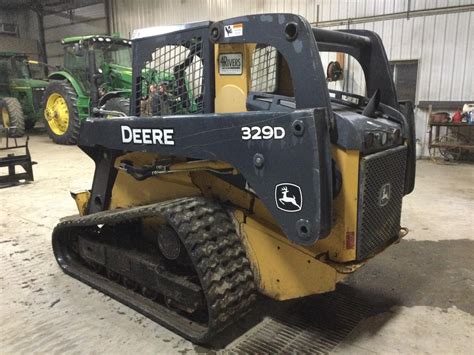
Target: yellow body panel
{"x": 81, "y": 198}
{"x": 232, "y": 90}
{"x": 128, "y": 191}
{"x": 340, "y": 244}
{"x": 281, "y": 271}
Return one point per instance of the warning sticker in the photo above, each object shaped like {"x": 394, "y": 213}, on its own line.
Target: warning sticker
{"x": 234, "y": 30}
{"x": 230, "y": 64}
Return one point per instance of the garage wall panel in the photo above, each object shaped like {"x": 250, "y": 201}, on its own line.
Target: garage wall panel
{"x": 128, "y": 15}
{"x": 80, "y": 14}
{"x": 27, "y": 24}
{"x": 81, "y": 21}
{"x": 76, "y": 29}
{"x": 13, "y": 44}
{"x": 26, "y": 21}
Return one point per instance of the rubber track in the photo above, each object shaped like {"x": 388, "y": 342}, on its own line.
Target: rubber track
{"x": 214, "y": 247}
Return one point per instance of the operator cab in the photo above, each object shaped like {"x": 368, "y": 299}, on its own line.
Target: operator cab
{"x": 14, "y": 66}
{"x": 92, "y": 59}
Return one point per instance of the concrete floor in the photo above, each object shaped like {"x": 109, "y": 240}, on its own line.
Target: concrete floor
{"x": 420, "y": 293}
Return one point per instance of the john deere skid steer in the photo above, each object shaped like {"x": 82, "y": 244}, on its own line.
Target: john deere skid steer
{"x": 261, "y": 181}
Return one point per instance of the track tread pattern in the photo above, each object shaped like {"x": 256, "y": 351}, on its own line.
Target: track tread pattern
{"x": 213, "y": 245}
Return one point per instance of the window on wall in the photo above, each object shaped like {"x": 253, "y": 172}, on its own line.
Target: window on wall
{"x": 404, "y": 76}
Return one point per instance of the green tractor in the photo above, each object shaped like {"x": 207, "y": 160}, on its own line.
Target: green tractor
{"x": 20, "y": 94}
{"x": 96, "y": 80}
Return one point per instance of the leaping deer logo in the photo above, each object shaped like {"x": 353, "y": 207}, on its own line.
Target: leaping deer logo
{"x": 384, "y": 194}
{"x": 289, "y": 201}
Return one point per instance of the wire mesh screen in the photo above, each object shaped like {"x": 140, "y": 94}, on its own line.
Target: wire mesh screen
{"x": 381, "y": 189}
{"x": 263, "y": 72}
{"x": 172, "y": 81}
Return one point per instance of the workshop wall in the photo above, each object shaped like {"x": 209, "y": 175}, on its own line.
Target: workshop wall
{"x": 80, "y": 21}
{"x": 25, "y": 24}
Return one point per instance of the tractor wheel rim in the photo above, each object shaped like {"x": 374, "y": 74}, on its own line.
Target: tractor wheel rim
{"x": 57, "y": 114}
{"x": 5, "y": 117}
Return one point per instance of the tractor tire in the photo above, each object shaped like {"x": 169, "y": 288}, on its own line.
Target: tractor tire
{"x": 12, "y": 116}
{"x": 60, "y": 113}
{"x": 120, "y": 104}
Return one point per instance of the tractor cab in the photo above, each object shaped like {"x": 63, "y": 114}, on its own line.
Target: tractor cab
{"x": 14, "y": 65}
{"x": 15, "y": 71}
{"x": 99, "y": 63}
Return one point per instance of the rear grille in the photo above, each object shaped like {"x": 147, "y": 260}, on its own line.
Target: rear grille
{"x": 37, "y": 98}
{"x": 381, "y": 181}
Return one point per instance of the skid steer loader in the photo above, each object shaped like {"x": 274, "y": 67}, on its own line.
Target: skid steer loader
{"x": 273, "y": 185}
